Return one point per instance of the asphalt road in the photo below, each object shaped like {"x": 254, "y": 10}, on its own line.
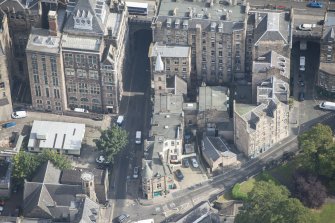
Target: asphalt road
{"x": 134, "y": 106}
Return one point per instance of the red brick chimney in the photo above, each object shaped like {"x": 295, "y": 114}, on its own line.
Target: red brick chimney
{"x": 53, "y": 27}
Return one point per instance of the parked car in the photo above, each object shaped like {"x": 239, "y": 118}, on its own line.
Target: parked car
{"x": 301, "y": 83}
{"x": 135, "y": 175}
{"x": 8, "y": 125}
{"x": 306, "y": 27}
{"x": 101, "y": 160}
{"x": 194, "y": 163}
{"x": 19, "y": 114}
{"x": 1, "y": 209}
{"x": 186, "y": 163}
{"x": 179, "y": 175}
{"x": 122, "y": 218}
{"x": 315, "y": 4}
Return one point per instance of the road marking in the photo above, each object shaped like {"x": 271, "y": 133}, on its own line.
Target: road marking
{"x": 172, "y": 205}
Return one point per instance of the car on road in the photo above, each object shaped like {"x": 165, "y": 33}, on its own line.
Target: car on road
{"x": 186, "y": 163}
{"x": 120, "y": 120}
{"x": 122, "y": 218}
{"x": 301, "y": 96}
{"x": 194, "y": 163}
{"x": 101, "y": 160}
{"x": 8, "y": 125}
{"x": 306, "y": 27}
{"x": 1, "y": 209}
{"x": 19, "y": 114}
{"x": 315, "y": 4}
{"x": 301, "y": 83}
{"x": 135, "y": 175}
{"x": 179, "y": 175}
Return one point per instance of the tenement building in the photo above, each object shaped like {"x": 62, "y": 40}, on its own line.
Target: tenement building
{"x": 22, "y": 15}
{"x": 215, "y": 31}
{"x": 267, "y": 31}
{"x": 5, "y": 68}
{"x": 326, "y": 74}
{"x": 87, "y": 44}
{"x": 258, "y": 127}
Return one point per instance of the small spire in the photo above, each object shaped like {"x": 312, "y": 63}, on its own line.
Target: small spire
{"x": 159, "y": 66}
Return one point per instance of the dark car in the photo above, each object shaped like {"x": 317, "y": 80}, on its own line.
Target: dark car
{"x": 301, "y": 96}
{"x": 315, "y": 4}
{"x": 186, "y": 163}
{"x": 179, "y": 175}
{"x": 122, "y": 218}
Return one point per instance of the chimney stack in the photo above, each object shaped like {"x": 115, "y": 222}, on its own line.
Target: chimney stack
{"x": 53, "y": 27}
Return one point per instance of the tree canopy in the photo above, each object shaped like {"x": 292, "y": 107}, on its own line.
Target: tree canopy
{"x": 318, "y": 151}
{"x": 310, "y": 191}
{"x": 25, "y": 164}
{"x": 112, "y": 141}
{"x": 270, "y": 203}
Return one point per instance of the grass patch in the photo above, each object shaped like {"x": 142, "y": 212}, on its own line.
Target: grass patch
{"x": 247, "y": 186}
{"x": 325, "y": 214}
{"x": 283, "y": 174}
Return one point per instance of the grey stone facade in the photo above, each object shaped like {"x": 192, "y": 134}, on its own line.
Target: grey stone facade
{"x": 5, "y": 68}
{"x": 90, "y": 56}
{"x": 215, "y": 33}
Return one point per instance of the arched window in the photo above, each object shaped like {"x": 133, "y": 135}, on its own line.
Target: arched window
{"x": 84, "y": 99}
{"x": 73, "y": 99}
{"x": 95, "y": 101}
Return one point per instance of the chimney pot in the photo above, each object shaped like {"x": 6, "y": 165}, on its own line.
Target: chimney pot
{"x": 53, "y": 26}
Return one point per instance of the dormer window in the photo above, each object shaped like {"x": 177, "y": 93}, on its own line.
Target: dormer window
{"x": 83, "y": 19}
{"x": 220, "y": 27}
{"x": 185, "y": 24}
{"x": 168, "y": 23}
{"x": 213, "y": 27}
{"x": 176, "y": 23}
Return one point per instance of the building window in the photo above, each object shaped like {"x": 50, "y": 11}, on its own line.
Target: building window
{"x": 36, "y": 79}
{"x": 83, "y": 99}
{"x": 95, "y": 89}
{"x": 56, "y": 93}
{"x": 81, "y": 73}
{"x": 68, "y": 59}
{"x": 93, "y": 74}
{"x": 83, "y": 88}
{"x": 55, "y": 81}
{"x": 69, "y": 72}
{"x": 47, "y": 94}
{"x": 38, "y": 91}
{"x": 71, "y": 87}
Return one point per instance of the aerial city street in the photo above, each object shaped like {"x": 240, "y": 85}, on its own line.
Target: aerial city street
{"x": 184, "y": 111}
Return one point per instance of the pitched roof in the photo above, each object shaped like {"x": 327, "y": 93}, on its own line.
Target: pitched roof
{"x": 95, "y": 8}
{"x": 271, "y": 27}
{"x": 47, "y": 173}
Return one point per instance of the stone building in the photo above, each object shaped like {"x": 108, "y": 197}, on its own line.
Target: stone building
{"x": 326, "y": 74}
{"x": 22, "y": 16}
{"x": 90, "y": 56}
{"x": 5, "y": 68}
{"x": 45, "y": 65}
{"x": 177, "y": 60}
{"x": 214, "y": 31}
{"x": 258, "y": 127}
{"x": 266, "y": 31}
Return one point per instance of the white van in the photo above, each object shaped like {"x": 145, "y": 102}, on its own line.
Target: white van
{"x": 82, "y": 110}
{"x": 302, "y": 63}
{"x": 19, "y": 114}
{"x": 138, "y": 139}
{"x": 306, "y": 27}
{"x": 120, "y": 120}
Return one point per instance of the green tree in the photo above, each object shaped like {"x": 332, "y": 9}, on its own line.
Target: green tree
{"x": 59, "y": 160}
{"x": 112, "y": 141}
{"x": 24, "y": 165}
{"x": 270, "y": 203}
{"x": 316, "y": 144}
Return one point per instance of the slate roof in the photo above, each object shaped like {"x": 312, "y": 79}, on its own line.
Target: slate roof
{"x": 98, "y": 26}
{"x": 272, "y": 27}
{"x": 88, "y": 211}
{"x": 47, "y": 173}
{"x": 271, "y": 60}
{"x": 19, "y": 5}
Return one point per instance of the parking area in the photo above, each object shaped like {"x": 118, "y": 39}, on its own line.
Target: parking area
{"x": 191, "y": 175}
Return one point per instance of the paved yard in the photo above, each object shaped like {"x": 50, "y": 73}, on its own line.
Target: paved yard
{"x": 192, "y": 176}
